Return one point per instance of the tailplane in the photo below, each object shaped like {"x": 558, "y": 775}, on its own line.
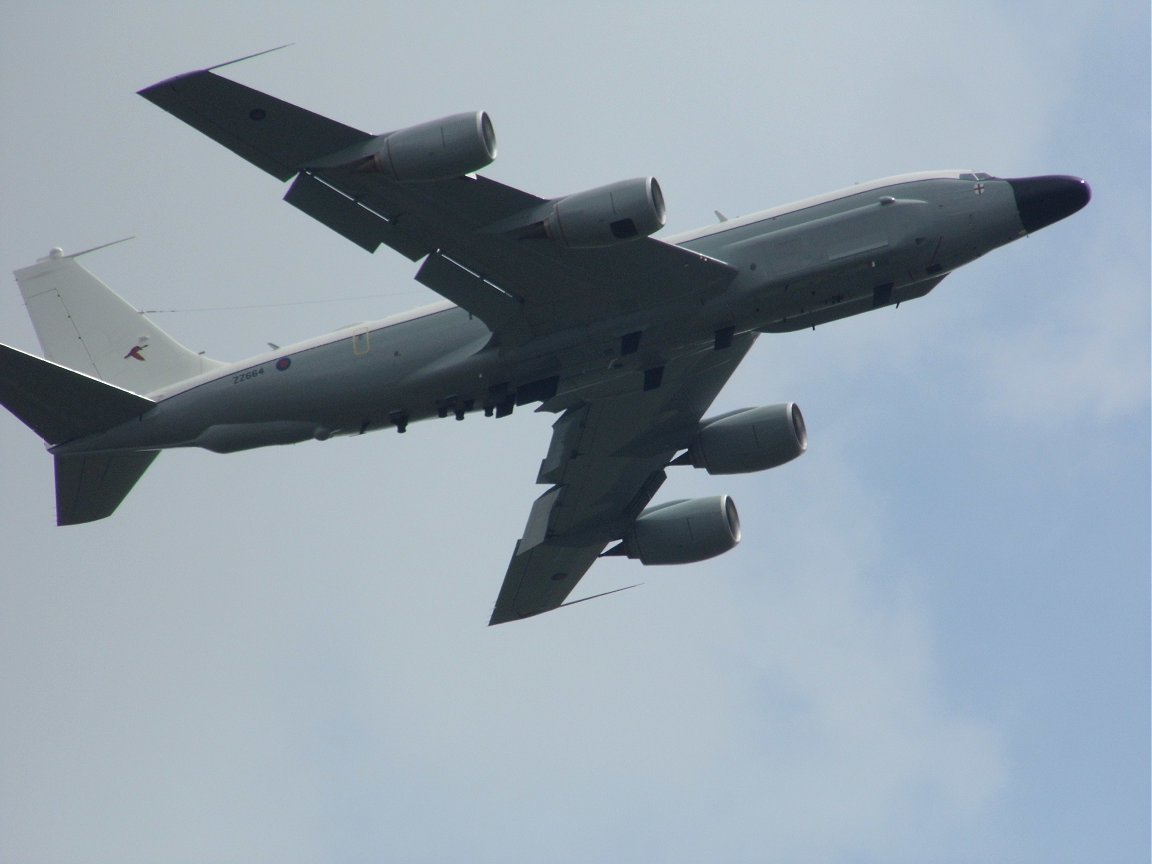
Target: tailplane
{"x": 61, "y": 405}
{"x": 86, "y": 326}
{"x": 90, "y": 486}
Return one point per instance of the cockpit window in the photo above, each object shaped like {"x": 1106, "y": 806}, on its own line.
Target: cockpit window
{"x": 979, "y": 175}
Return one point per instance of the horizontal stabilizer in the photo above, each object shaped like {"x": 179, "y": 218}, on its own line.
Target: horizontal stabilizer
{"x": 59, "y": 404}
{"x": 90, "y": 486}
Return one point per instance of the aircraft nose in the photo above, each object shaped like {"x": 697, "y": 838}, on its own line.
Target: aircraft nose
{"x": 1044, "y": 200}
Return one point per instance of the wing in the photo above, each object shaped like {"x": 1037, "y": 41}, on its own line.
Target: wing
{"x": 520, "y": 287}
{"x": 605, "y": 462}
{"x": 614, "y": 438}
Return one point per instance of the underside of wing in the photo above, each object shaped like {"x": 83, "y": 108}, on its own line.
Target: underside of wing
{"x": 605, "y": 462}
{"x": 486, "y": 244}
{"x": 272, "y": 134}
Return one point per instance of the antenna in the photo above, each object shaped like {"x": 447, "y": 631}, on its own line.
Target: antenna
{"x": 604, "y": 594}
{"x": 249, "y": 56}
{"x": 56, "y": 253}
{"x": 94, "y": 248}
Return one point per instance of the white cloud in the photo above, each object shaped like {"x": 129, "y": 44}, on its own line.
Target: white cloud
{"x": 282, "y": 655}
{"x": 1080, "y": 353}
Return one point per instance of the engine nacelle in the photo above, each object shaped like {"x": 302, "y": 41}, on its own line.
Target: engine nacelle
{"x": 681, "y": 532}
{"x": 437, "y": 150}
{"x": 627, "y": 210}
{"x": 751, "y": 439}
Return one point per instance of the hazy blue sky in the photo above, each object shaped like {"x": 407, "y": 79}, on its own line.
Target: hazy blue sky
{"x": 933, "y": 643}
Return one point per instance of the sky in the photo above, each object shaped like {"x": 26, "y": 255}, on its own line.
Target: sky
{"x": 933, "y": 641}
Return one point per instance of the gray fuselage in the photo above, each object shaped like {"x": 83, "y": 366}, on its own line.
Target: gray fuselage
{"x": 799, "y": 266}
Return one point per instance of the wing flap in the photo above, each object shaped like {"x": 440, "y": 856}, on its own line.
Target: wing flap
{"x": 353, "y": 220}
{"x": 499, "y": 310}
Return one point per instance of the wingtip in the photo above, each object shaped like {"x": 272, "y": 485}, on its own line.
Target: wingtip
{"x": 151, "y": 90}
{"x": 501, "y": 617}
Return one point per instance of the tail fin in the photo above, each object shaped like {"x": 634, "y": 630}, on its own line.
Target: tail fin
{"x": 60, "y": 405}
{"x": 84, "y": 325}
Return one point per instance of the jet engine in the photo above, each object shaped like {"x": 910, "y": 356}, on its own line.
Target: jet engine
{"x": 681, "y": 532}
{"x": 437, "y": 150}
{"x": 627, "y": 210}
{"x": 751, "y": 439}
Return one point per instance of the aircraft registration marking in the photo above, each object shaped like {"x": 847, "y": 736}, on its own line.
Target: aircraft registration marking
{"x": 247, "y": 374}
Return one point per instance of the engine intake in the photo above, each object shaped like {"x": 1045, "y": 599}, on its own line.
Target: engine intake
{"x": 751, "y": 439}
{"x": 681, "y": 532}
{"x": 437, "y": 150}
{"x": 627, "y": 210}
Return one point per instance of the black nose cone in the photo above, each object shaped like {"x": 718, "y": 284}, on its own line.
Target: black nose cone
{"x": 1044, "y": 200}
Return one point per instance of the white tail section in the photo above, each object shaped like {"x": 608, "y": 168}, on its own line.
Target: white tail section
{"x": 86, "y": 326}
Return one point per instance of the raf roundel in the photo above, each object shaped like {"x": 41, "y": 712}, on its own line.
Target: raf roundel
{"x": 283, "y": 363}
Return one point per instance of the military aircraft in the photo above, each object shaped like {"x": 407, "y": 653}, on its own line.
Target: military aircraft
{"x": 566, "y": 302}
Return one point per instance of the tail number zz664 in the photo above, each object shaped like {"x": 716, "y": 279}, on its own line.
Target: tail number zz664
{"x": 247, "y": 375}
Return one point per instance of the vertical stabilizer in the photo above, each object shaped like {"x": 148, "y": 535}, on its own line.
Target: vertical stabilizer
{"x": 84, "y": 325}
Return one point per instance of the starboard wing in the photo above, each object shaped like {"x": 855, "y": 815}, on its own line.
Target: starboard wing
{"x": 605, "y": 462}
